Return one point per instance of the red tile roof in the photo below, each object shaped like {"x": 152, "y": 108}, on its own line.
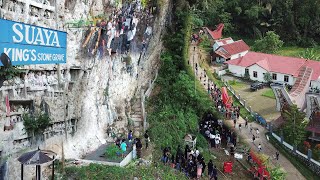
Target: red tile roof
{"x": 275, "y": 63}
{"x": 216, "y": 34}
{"x": 233, "y": 48}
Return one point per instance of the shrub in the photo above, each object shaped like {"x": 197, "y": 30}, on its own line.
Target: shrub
{"x": 35, "y": 125}
{"x": 111, "y": 152}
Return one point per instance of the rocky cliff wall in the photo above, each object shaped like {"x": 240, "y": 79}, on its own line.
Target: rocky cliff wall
{"x": 95, "y": 92}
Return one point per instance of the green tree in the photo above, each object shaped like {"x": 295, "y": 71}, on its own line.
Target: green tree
{"x": 267, "y": 77}
{"x": 269, "y": 43}
{"x": 294, "y": 128}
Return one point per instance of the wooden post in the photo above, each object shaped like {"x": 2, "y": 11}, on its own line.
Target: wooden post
{"x": 52, "y": 176}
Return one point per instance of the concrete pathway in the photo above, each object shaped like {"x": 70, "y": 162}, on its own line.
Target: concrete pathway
{"x": 267, "y": 148}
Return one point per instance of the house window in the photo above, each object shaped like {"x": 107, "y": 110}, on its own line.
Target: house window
{"x": 286, "y": 78}
{"x": 255, "y": 74}
{"x": 274, "y": 76}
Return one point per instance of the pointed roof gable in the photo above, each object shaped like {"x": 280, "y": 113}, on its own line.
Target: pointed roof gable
{"x": 216, "y": 34}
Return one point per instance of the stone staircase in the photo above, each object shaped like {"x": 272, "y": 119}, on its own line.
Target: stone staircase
{"x": 136, "y": 116}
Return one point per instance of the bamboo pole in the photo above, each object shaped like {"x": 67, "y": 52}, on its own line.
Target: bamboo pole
{"x": 97, "y": 43}
{"x": 93, "y": 29}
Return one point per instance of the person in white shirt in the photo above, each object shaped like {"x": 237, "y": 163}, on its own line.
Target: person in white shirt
{"x": 212, "y": 140}
{"x": 217, "y": 140}
{"x": 259, "y": 147}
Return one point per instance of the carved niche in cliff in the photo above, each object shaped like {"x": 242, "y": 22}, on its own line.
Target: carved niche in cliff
{"x": 70, "y": 4}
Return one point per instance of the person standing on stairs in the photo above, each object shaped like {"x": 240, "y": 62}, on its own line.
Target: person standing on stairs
{"x": 130, "y": 137}
{"x": 147, "y": 139}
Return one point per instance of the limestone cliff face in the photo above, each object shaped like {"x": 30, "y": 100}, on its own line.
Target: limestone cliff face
{"x": 95, "y": 92}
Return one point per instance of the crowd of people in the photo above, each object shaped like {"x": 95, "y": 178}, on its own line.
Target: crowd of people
{"x": 134, "y": 144}
{"x": 118, "y": 32}
{"x": 190, "y": 162}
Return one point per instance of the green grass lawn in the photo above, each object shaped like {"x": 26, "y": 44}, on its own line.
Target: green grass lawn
{"x": 268, "y": 93}
{"x": 237, "y": 84}
{"x": 295, "y": 51}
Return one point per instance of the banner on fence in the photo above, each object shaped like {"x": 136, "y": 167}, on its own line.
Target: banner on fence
{"x": 27, "y": 44}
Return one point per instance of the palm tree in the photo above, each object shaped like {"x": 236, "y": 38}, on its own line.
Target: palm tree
{"x": 310, "y": 54}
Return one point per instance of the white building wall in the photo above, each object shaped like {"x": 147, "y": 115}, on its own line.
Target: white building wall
{"x": 259, "y": 71}
{"x": 236, "y": 70}
{"x": 315, "y": 84}
{"x": 240, "y": 71}
{"x": 280, "y": 78}
{"x": 235, "y": 56}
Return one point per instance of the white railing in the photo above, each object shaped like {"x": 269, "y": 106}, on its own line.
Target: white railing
{"x": 291, "y": 148}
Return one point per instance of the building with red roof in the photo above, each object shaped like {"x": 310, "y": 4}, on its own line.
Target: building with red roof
{"x": 216, "y": 34}
{"x": 231, "y": 50}
{"x": 282, "y": 68}
{"x": 221, "y": 42}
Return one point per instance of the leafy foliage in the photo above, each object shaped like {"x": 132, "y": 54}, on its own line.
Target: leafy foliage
{"x": 297, "y": 23}
{"x": 294, "y": 129}
{"x": 96, "y": 171}
{"x": 8, "y": 73}
{"x": 111, "y": 152}
{"x": 267, "y": 77}
{"x": 277, "y": 173}
{"x": 309, "y": 54}
{"x": 269, "y": 43}
{"x": 35, "y": 124}
{"x": 181, "y": 101}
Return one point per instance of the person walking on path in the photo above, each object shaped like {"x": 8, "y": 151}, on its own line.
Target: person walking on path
{"x": 139, "y": 147}
{"x": 199, "y": 170}
{"x": 253, "y": 138}
{"x": 258, "y": 132}
{"x": 277, "y": 155}
{"x": 210, "y": 167}
{"x": 214, "y": 174}
{"x": 246, "y": 124}
{"x": 259, "y": 147}
{"x": 239, "y": 127}
{"x": 147, "y": 139}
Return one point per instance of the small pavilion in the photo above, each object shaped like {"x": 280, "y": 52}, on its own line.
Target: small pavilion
{"x": 37, "y": 158}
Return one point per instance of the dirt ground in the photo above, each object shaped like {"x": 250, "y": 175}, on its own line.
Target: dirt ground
{"x": 238, "y": 171}
{"x": 265, "y": 106}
